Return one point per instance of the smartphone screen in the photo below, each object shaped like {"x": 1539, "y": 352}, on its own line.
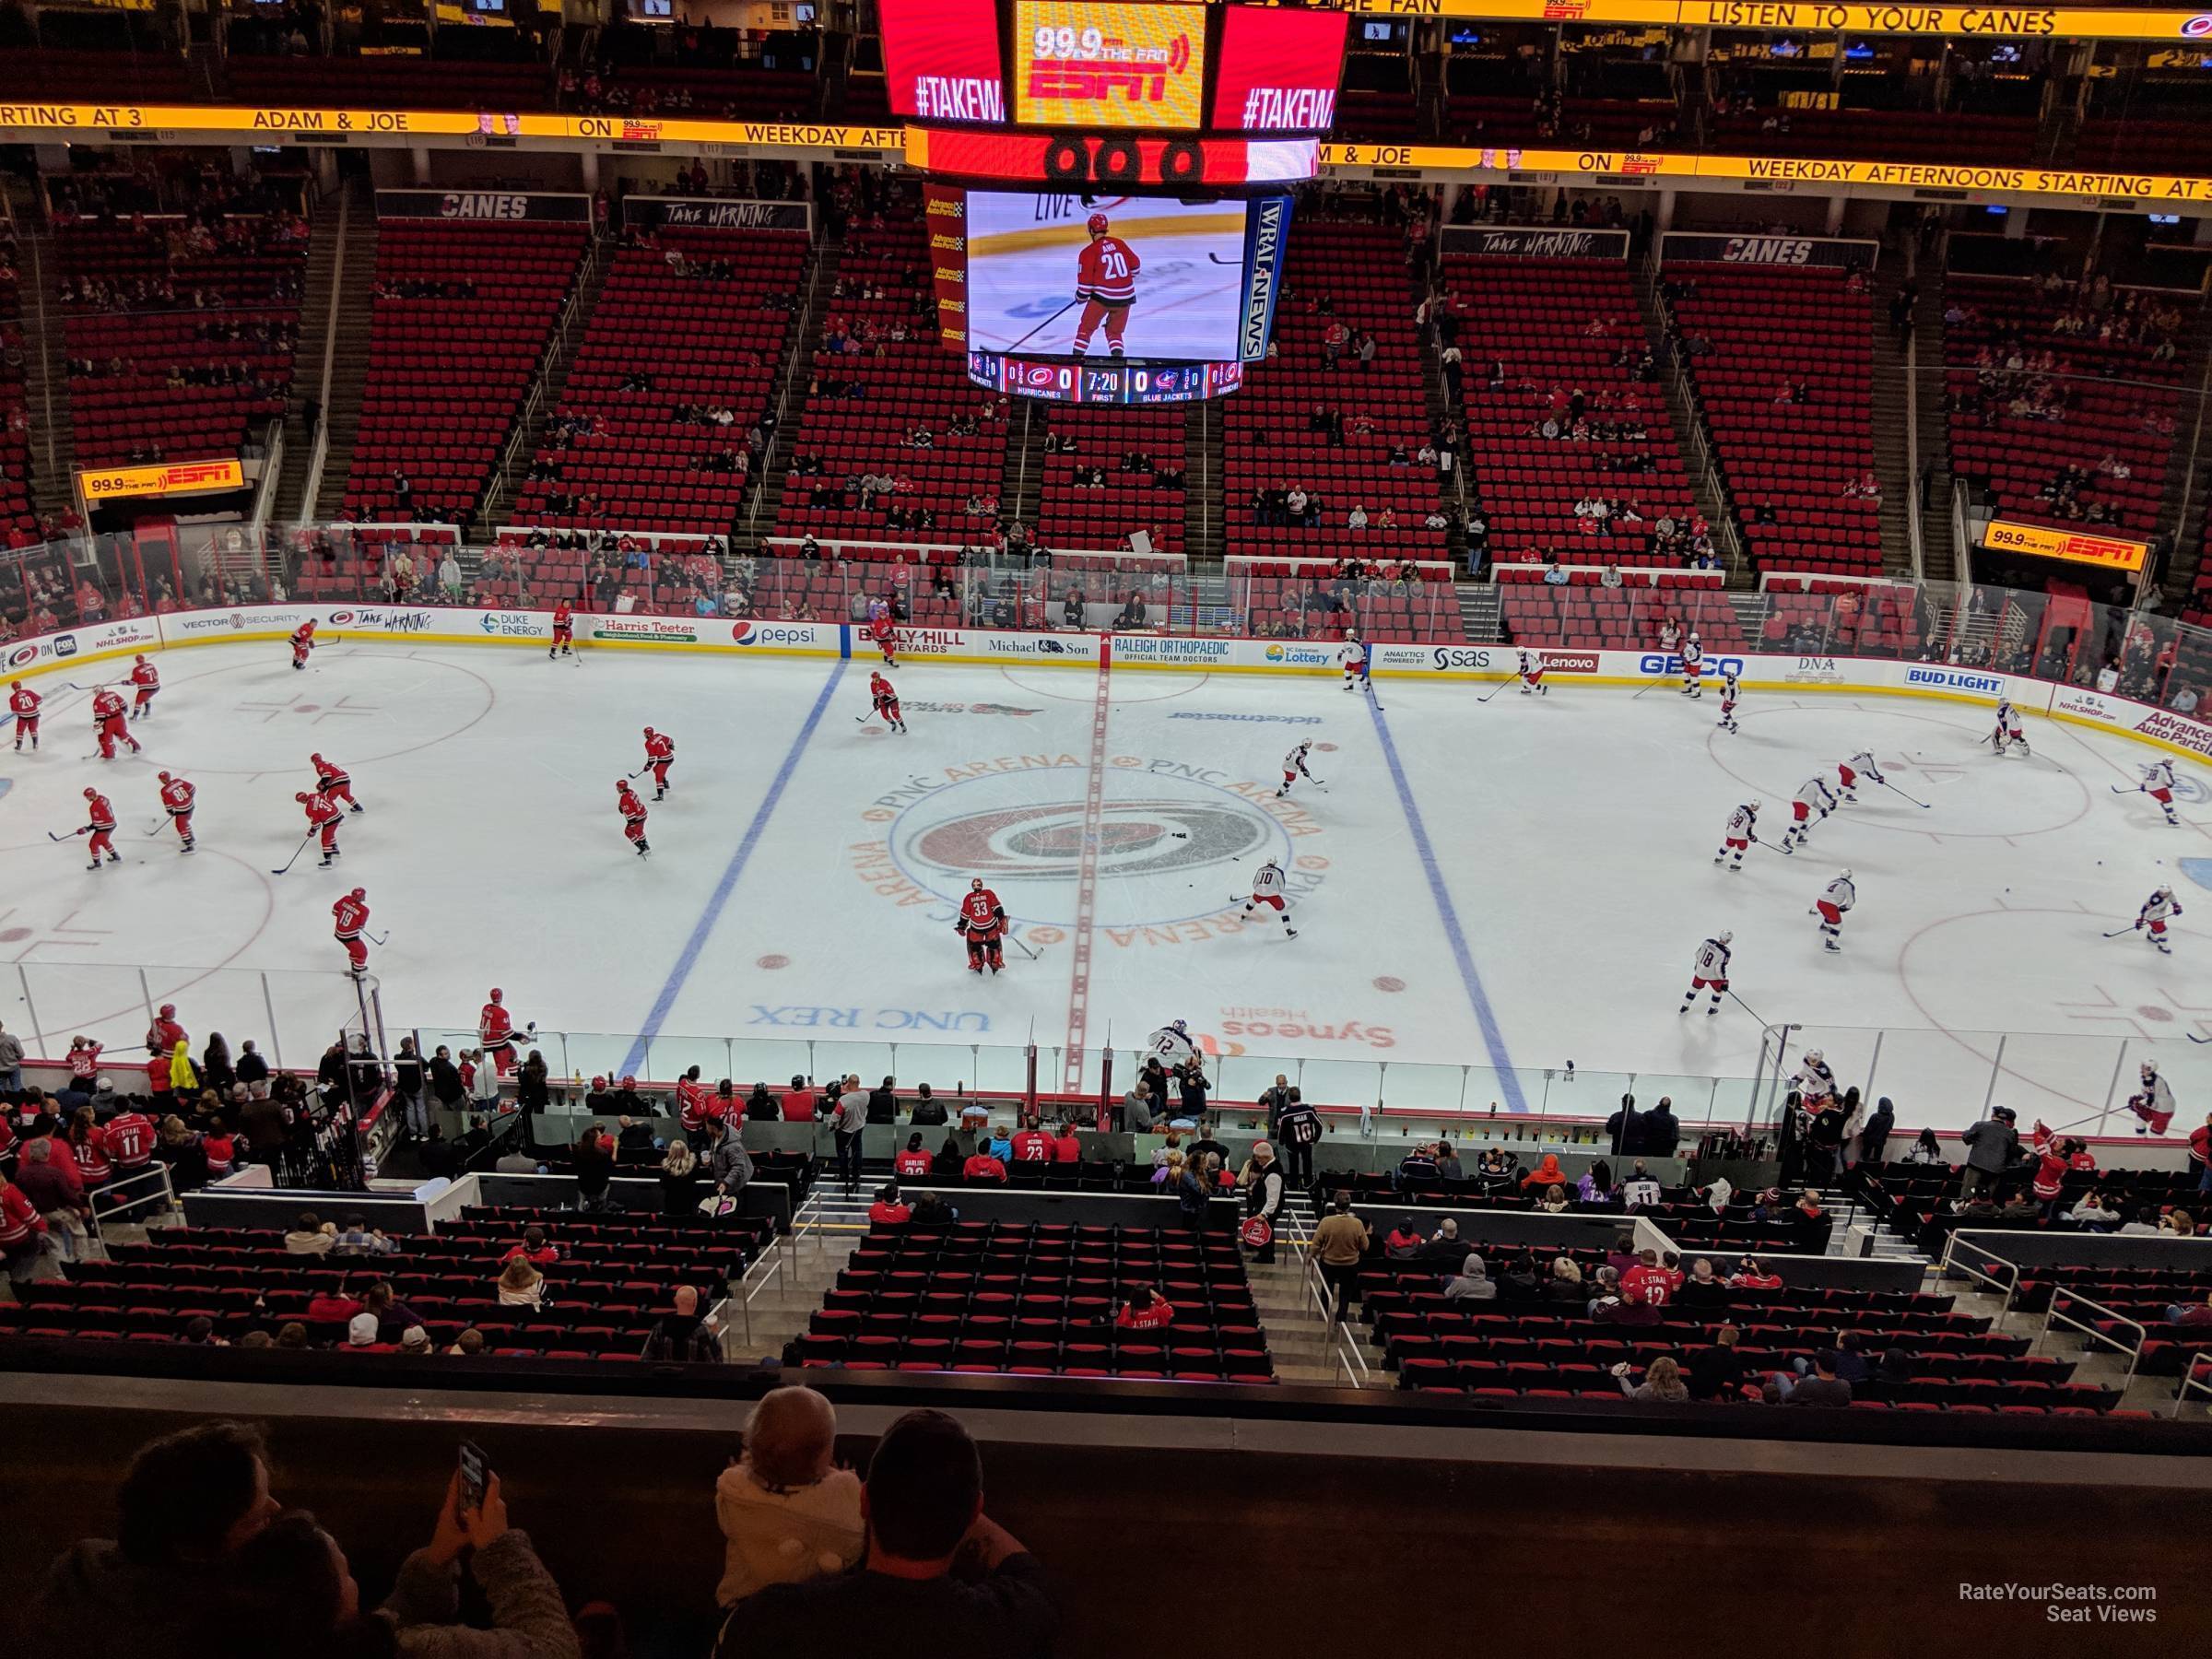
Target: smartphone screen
{"x": 475, "y": 1475}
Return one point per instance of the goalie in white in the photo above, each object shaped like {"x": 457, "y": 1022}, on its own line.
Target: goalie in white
{"x": 1271, "y": 889}
{"x": 1172, "y": 1046}
{"x": 1708, "y": 971}
{"x": 1837, "y": 899}
{"x": 2009, "y": 731}
{"x": 1353, "y": 655}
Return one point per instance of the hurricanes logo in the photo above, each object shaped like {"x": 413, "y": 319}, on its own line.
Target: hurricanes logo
{"x": 1045, "y": 842}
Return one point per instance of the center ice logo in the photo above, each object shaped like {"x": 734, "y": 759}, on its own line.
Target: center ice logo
{"x": 1045, "y": 842}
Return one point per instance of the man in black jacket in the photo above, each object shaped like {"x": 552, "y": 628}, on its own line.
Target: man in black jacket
{"x": 1298, "y": 1131}
{"x": 682, "y": 1334}
{"x": 1624, "y": 1129}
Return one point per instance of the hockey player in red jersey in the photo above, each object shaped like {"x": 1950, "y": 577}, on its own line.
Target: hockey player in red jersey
{"x": 99, "y": 824}
{"x": 108, "y": 716}
{"x": 348, "y": 916}
{"x": 982, "y": 922}
{"x": 178, "y": 797}
{"x": 887, "y": 640}
{"x": 660, "y": 755}
{"x": 332, "y": 780}
{"x": 323, "y": 819}
{"x": 1106, "y": 283}
{"x": 887, "y": 702}
{"x": 303, "y": 641}
{"x": 147, "y": 679}
{"x": 495, "y": 1027}
{"x": 165, "y": 1033}
{"x": 23, "y": 704}
{"x": 633, "y": 815}
{"x": 564, "y": 629}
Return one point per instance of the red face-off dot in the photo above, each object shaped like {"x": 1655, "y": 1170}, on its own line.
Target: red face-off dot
{"x": 771, "y": 962}
{"x": 1387, "y": 982}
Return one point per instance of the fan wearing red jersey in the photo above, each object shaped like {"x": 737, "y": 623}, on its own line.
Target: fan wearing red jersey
{"x": 633, "y": 815}
{"x": 1106, "y": 283}
{"x": 348, "y": 916}
{"x": 107, "y": 722}
{"x": 23, "y": 704}
{"x": 982, "y": 922}
{"x": 100, "y": 826}
{"x": 130, "y": 1140}
{"x": 177, "y": 799}
{"x": 660, "y": 755}
{"x": 564, "y": 629}
{"x": 147, "y": 679}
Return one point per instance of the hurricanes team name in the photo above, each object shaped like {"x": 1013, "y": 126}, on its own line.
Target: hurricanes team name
{"x": 1289, "y": 109}
{"x": 958, "y": 97}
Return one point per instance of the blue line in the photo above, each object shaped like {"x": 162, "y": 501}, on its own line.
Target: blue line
{"x": 688, "y": 958}
{"x": 1492, "y": 1038}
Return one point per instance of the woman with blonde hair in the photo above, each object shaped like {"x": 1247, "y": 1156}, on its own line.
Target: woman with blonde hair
{"x": 679, "y": 1180}
{"x": 520, "y": 1284}
{"x": 1662, "y": 1383}
{"x": 1565, "y": 1282}
{"x": 1554, "y": 1200}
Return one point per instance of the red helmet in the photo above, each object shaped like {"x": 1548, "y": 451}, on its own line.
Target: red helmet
{"x": 495, "y": 993}
{"x": 1096, "y": 224}
{"x": 163, "y": 776}
{"x": 169, "y": 1011}
{"x": 301, "y": 795}
{"x": 360, "y": 892}
{"x": 975, "y": 884}
{"x": 315, "y": 757}
{"x": 649, "y": 732}
{"x": 15, "y": 685}
{"x": 91, "y": 795}
{"x": 142, "y": 657}
{"x": 622, "y": 783}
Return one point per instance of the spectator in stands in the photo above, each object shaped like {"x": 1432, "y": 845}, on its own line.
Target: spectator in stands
{"x": 2143, "y": 1224}
{"x": 1339, "y": 1245}
{"x": 1873, "y": 1134}
{"x": 1715, "y": 1371}
{"x": 787, "y": 1514}
{"x": 1262, "y": 1179}
{"x": 890, "y": 1210}
{"x": 333, "y": 1304}
{"x": 935, "y": 1563}
{"x": 1992, "y": 1145}
{"x": 521, "y": 1284}
{"x": 359, "y": 1239}
{"x": 984, "y": 1167}
{"x": 729, "y": 1164}
{"x": 189, "y": 1503}
{"x": 851, "y": 1118}
{"x": 55, "y": 1192}
{"x": 1925, "y": 1149}
{"x": 798, "y": 1104}
{"x": 1662, "y": 1383}
{"x": 1546, "y": 1173}
{"x": 1822, "y": 1388}
{"x": 11, "y": 1062}
{"x": 291, "y": 1591}
{"x": 309, "y": 1236}
{"x": 2189, "y": 1314}
{"x": 683, "y": 1333}
{"x": 1472, "y": 1282}
{"x": 679, "y": 1180}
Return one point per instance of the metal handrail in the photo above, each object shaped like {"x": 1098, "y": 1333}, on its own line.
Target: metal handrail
{"x": 1357, "y": 1372}
{"x": 2074, "y": 1299}
{"x": 1913, "y": 518}
{"x": 153, "y": 1171}
{"x": 1951, "y": 1264}
{"x": 2197, "y": 1373}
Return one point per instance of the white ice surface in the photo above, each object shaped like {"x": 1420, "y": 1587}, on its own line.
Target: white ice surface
{"x": 1572, "y": 836}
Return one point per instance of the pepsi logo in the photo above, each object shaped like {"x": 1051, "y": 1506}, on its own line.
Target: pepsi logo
{"x": 742, "y": 634}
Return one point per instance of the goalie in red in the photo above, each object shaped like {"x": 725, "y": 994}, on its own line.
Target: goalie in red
{"x": 982, "y": 922}
{"x": 1106, "y": 283}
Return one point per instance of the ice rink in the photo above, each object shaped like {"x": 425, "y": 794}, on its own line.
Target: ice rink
{"x": 1485, "y": 891}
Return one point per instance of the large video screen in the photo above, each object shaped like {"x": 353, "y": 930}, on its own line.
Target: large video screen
{"x": 1032, "y": 259}
{"x": 941, "y": 59}
{"x": 1279, "y": 71}
{"x": 1084, "y": 65}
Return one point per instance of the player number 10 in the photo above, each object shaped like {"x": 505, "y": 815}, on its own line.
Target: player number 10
{"x": 1050, "y": 42}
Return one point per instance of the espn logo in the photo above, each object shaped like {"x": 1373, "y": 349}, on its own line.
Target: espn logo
{"x": 176, "y": 477}
{"x": 1094, "y": 83}
{"x": 1565, "y": 11}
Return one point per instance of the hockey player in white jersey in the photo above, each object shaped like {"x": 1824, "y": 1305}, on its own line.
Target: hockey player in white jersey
{"x": 1693, "y": 666}
{"x": 1271, "y": 889}
{"x": 2152, "y": 918}
{"x": 1814, "y": 1080}
{"x": 1708, "y": 971}
{"x": 1532, "y": 674}
{"x": 1294, "y": 768}
{"x": 2159, "y": 784}
{"x": 2153, "y": 1103}
{"x": 1837, "y": 899}
{"x": 1743, "y": 830}
{"x": 1849, "y": 772}
{"x": 1172, "y": 1046}
{"x": 2009, "y": 732}
{"x": 1353, "y": 655}
{"x": 1728, "y": 696}
{"x": 1813, "y": 798}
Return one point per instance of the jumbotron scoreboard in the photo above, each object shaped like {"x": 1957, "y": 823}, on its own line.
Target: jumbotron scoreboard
{"x": 1106, "y": 183}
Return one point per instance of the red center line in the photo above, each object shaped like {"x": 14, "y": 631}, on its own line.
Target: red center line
{"x": 1087, "y": 878}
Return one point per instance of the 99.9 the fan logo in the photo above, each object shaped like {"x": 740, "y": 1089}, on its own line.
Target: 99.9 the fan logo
{"x": 1080, "y": 158}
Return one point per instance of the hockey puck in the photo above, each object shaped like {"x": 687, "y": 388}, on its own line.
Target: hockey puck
{"x": 1179, "y": 834}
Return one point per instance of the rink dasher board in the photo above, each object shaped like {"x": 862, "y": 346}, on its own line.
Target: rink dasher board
{"x": 1759, "y": 674}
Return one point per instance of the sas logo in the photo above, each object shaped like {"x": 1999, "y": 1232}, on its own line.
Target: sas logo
{"x": 1458, "y": 656}
{"x": 339, "y": 618}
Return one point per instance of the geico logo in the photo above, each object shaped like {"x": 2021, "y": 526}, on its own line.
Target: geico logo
{"x": 1654, "y": 662}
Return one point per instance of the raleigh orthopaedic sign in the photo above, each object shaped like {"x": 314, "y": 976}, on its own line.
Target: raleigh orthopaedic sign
{"x": 161, "y": 479}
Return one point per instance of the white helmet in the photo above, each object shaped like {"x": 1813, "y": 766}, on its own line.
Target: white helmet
{"x": 2164, "y": 892}
{"x": 1301, "y": 749}
{"x": 1753, "y": 805}
{"x": 1693, "y": 633}
{"x": 1725, "y": 935}
{"x": 1814, "y": 1056}
{"x": 1351, "y": 633}
{"x": 2150, "y": 1070}
{"x": 1843, "y": 874}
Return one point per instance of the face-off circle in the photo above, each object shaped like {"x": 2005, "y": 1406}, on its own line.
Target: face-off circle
{"x": 385, "y": 709}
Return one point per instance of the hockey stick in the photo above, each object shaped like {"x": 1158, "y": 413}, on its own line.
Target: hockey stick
{"x": 2195, "y": 1038}
{"x": 2119, "y": 933}
{"x": 101, "y": 686}
{"x": 1053, "y": 318}
{"x": 1217, "y": 259}
{"x": 1017, "y": 944}
{"x": 1894, "y": 790}
{"x": 1502, "y": 685}
{"x": 71, "y": 836}
{"x": 377, "y": 938}
{"x": 296, "y": 852}
{"x": 1746, "y": 1007}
